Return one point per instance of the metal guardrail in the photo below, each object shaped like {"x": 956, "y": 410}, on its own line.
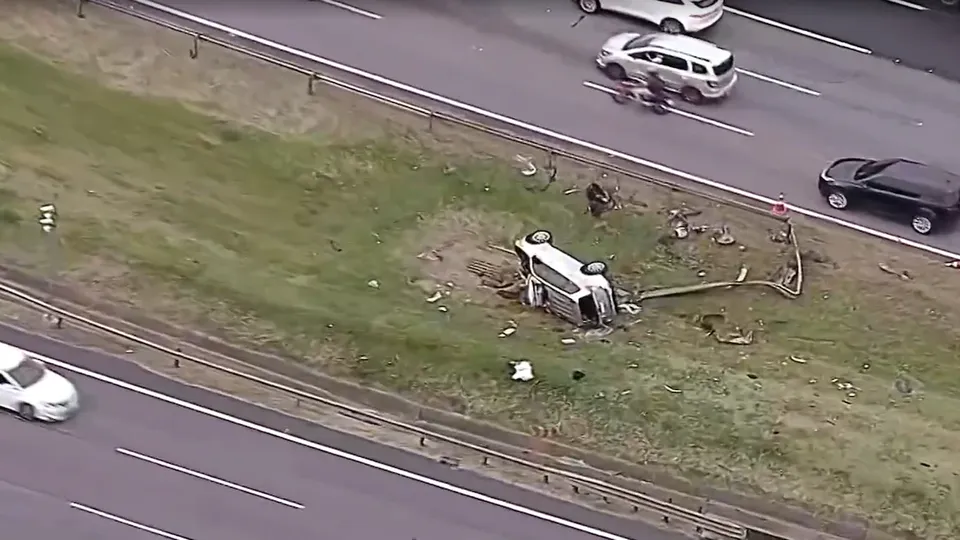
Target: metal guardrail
{"x": 706, "y": 525}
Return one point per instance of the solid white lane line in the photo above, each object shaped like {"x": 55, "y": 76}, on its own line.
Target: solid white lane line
{"x": 909, "y": 5}
{"x": 798, "y": 31}
{"x": 351, "y": 9}
{"x": 127, "y": 522}
{"x": 778, "y": 82}
{"x": 681, "y": 112}
{"x": 390, "y": 469}
{"x": 208, "y": 478}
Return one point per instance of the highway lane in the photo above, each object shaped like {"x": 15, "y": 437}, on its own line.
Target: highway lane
{"x": 531, "y": 66}
{"x": 928, "y": 40}
{"x": 46, "y": 468}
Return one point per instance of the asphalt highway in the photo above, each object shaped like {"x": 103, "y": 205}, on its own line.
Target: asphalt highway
{"x": 183, "y": 475}
{"x": 800, "y": 104}
{"x": 928, "y": 40}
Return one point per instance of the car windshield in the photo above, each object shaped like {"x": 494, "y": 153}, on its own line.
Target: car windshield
{"x": 872, "y": 168}
{"x": 638, "y": 42}
{"x": 27, "y": 372}
{"x": 704, "y": 3}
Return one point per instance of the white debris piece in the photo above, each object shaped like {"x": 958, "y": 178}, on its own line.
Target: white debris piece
{"x": 522, "y": 371}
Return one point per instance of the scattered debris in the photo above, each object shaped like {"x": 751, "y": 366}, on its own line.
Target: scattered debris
{"x": 713, "y": 324}
{"x": 373, "y": 284}
{"x": 598, "y": 333}
{"x": 527, "y": 168}
{"x": 904, "y": 275}
{"x": 578, "y": 374}
{"x": 435, "y": 297}
{"x": 629, "y": 308}
{"x": 672, "y": 390}
{"x": 522, "y": 371}
{"x": 568, "y": 341}
{"x": 442, "y": 309}
{"x": 571, "y": 191}
{"x": 508, "y": 331}
{"x": 431, "y": 255}
{"x": 723, "y": 237}
{"x": 736, "y": 337}
{"x": 798, "y": 360}
{"x": 551, "y": 178}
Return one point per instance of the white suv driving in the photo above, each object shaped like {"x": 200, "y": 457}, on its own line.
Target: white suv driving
{"x": 671, "y": 16}
{"x": 696, "y": 69}
{"x": 31, "y": 390}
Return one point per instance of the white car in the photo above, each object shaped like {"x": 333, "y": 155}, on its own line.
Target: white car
{"x": 31, "y": 390}
{"x": 671, "y": 16}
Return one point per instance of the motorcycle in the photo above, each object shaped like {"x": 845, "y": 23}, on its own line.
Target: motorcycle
{"x": 636, "y": 91}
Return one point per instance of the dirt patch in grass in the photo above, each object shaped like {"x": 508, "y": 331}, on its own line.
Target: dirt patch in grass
{"x": 267, "y": 220}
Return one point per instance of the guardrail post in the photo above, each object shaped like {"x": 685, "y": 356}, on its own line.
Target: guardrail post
{"x": 80, "y": 13}
{"x": 311, "y": 79}
{"x": 430, "y": 121}
{"x": 195, "y": 48}
{"x": 423, "y": 441}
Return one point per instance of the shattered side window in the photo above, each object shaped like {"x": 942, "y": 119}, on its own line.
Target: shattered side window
{"x": 553, "y": 277}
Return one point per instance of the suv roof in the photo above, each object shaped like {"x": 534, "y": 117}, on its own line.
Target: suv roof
{"x": 691, "y": 46}
{"x": 931, "y": 179}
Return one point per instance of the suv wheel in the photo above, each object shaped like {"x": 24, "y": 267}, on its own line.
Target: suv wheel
{"x": 670, "y": 26}
{"x": 924, "y": 221}
{"x": 615, "y": 72}
{"x": 26, "y": 411}
{"x": 837, "y": 200}
{"x": 691, "y": 95}
{"x": 595, "y": 268}
{"x": 540, "y": 237}
{"x": 589, "y": 6}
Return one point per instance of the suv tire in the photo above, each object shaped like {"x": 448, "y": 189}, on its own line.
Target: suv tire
{"x": 924, "y": 221}
{"x": 615, "y": 72}
{"x": 691, "y": 95}
{"x": 595, "y": 268}
{"x": 589, "y": 6}
{"x": 671, "y": 26}
{"x": 540, "y": 237}
{"x": 837, "y": 199}
{"x": 26, "y": 411}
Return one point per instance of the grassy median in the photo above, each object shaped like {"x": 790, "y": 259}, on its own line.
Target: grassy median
{"x": 325, "y": 242}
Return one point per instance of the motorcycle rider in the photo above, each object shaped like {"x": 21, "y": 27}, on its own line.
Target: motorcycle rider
{"x": 656, "y": 87}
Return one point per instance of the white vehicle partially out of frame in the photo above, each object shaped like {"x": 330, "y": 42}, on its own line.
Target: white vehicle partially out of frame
{"x": 30, "y": 389}
{"x": 671, "y": 16}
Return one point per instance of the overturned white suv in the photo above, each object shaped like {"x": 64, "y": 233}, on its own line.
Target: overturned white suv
{"x": 573, "y": 290}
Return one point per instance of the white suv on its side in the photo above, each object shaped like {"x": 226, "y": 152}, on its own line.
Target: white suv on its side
{"x": 671, "y": 16}
{"x": 31, "y": 390}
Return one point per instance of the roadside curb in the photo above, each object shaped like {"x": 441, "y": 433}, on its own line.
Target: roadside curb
{"x": 758, "y": 513}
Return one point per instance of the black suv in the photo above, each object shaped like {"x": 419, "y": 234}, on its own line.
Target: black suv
{"x": 900, "y": 188}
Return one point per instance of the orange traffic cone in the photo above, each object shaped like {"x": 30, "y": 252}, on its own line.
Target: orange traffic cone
{"x": 779, "y": 208}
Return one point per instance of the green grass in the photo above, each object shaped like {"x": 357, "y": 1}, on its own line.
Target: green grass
{"x": 274, "y": 239}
